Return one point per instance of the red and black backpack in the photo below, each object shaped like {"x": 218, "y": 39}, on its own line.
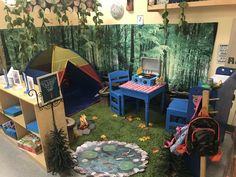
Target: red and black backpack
{"x": 201, "y": 135}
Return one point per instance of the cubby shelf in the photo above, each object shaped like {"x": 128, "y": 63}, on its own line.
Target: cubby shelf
{"x": 30, "y": 112}
{"x": 37, "y": 157}
{"x": 206, "y": 3}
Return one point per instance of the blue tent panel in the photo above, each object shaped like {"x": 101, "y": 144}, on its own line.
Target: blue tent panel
{"x": 78, "y": 89}
{"x": 34, "y": 73}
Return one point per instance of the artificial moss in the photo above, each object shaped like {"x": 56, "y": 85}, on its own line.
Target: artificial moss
{"x": 127, "y": 129}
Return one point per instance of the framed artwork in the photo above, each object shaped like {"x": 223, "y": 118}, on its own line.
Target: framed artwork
{"x": 16, "y": 77}
{"x": 30, "y": 81}
{"x": 49, "y": 87}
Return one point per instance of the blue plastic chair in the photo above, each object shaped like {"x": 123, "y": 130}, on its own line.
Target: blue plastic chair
{"x": 117, "y": 77}
{"x": 180, "y": 111}
{"x": 225, "y": 71}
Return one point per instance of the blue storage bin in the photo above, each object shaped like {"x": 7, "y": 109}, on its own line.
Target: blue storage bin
{"x": 9, "y": 129}
{"x": 10, "y": 132}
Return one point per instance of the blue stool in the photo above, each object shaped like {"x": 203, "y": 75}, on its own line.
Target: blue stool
{"x": 180, "y": 111}
{"x": 116, "y": 98}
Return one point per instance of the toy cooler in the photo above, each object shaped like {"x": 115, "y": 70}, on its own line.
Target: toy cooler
{"x": 151, "y": 71}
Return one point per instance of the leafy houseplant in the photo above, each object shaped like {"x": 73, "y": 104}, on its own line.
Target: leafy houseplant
{"x": 19, "y": 17}
{"x": 25, "y": 42}
{"x": 183, "y": 23}
{"x": 166, "y": 34}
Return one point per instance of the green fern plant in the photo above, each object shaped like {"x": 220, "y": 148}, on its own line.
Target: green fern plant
{"x": 59, "y": 157}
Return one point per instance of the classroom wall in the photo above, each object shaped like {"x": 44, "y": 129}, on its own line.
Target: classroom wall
{"x": 222, "y": 14}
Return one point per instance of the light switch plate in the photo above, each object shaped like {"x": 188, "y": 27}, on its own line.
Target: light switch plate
{"x": 140, "y": 19}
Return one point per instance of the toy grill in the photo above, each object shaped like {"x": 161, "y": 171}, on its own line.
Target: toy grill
{"x": 151, "y": 71}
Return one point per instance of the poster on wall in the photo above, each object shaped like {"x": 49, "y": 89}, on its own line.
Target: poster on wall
{"x": 222, "y": 53}
{"x": 49, "y": 87}
{"x": 123, "y": 46}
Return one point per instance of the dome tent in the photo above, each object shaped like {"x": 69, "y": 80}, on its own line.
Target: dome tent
{"x": 79, "y": 81}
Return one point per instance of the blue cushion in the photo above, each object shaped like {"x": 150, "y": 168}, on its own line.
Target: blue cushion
{"x": 13, "y": 110}
{"x": 33, "y": 126}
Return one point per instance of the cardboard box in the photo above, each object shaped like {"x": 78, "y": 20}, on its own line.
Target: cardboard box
{"x": 31, "y": 143}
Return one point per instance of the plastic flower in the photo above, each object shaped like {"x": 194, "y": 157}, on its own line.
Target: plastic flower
{"x": 155, "y": 150}
{"x": 144, "y": 138}
{"x": 141, "y": 139}
{"x": 147, "y": 138}
{"x": 130, "y": 118}
{"x": 103, "y": 137}
{"x": 114, "y": 115}
{"x": 94, "y": 117}
{"x": 142, "y": 125}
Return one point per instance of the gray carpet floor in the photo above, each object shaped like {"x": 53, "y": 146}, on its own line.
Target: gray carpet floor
{"x": 15, "y": 163}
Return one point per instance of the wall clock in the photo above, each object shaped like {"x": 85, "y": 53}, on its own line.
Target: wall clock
{"x": 117, "y": 10}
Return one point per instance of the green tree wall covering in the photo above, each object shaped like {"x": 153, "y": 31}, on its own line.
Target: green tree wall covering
{"x": 122, "y": 46}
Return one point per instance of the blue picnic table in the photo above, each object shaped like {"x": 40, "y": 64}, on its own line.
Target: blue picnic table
{"x": 142, "y": 92}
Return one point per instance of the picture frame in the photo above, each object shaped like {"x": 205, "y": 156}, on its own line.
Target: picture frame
{"x": 49, "y": 87}
{"x": 30, "y": 81}
{"x": 16, "y": 78}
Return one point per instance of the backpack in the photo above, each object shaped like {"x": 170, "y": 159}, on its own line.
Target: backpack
{"x": 203, "y": 137}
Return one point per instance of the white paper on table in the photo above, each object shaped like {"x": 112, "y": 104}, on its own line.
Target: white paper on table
{"x": 218, "y": 77}
{"x": 2, "y": 80}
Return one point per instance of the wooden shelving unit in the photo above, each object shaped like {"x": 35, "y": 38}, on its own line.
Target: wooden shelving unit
{"x": 206, "y": 3}
{"x": 30, "y": 112}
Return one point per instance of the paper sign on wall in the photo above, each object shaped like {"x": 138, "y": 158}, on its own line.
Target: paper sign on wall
{"x": 222, "y": 53}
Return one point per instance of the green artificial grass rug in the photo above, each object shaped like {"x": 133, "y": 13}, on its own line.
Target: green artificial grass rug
{"x": 131, "y": 129}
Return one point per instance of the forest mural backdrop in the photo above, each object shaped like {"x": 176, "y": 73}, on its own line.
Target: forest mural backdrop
{"x": 114, "y": 47}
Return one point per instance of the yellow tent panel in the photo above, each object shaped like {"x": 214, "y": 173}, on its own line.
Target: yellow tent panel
{"x": 61, "y": 56}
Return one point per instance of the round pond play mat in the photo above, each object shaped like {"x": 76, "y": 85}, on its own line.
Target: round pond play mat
{"x": 109, "y": 158}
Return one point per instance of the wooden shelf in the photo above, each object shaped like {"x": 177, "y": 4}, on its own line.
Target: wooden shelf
{"x": 19, "y": 93}
{"x": 34, "y": 133}
{"x": 207, "y": 3}
{"x": 18, "y": 119}
{"x": 31, "y": 112}
{"x": 39, "y": 158}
